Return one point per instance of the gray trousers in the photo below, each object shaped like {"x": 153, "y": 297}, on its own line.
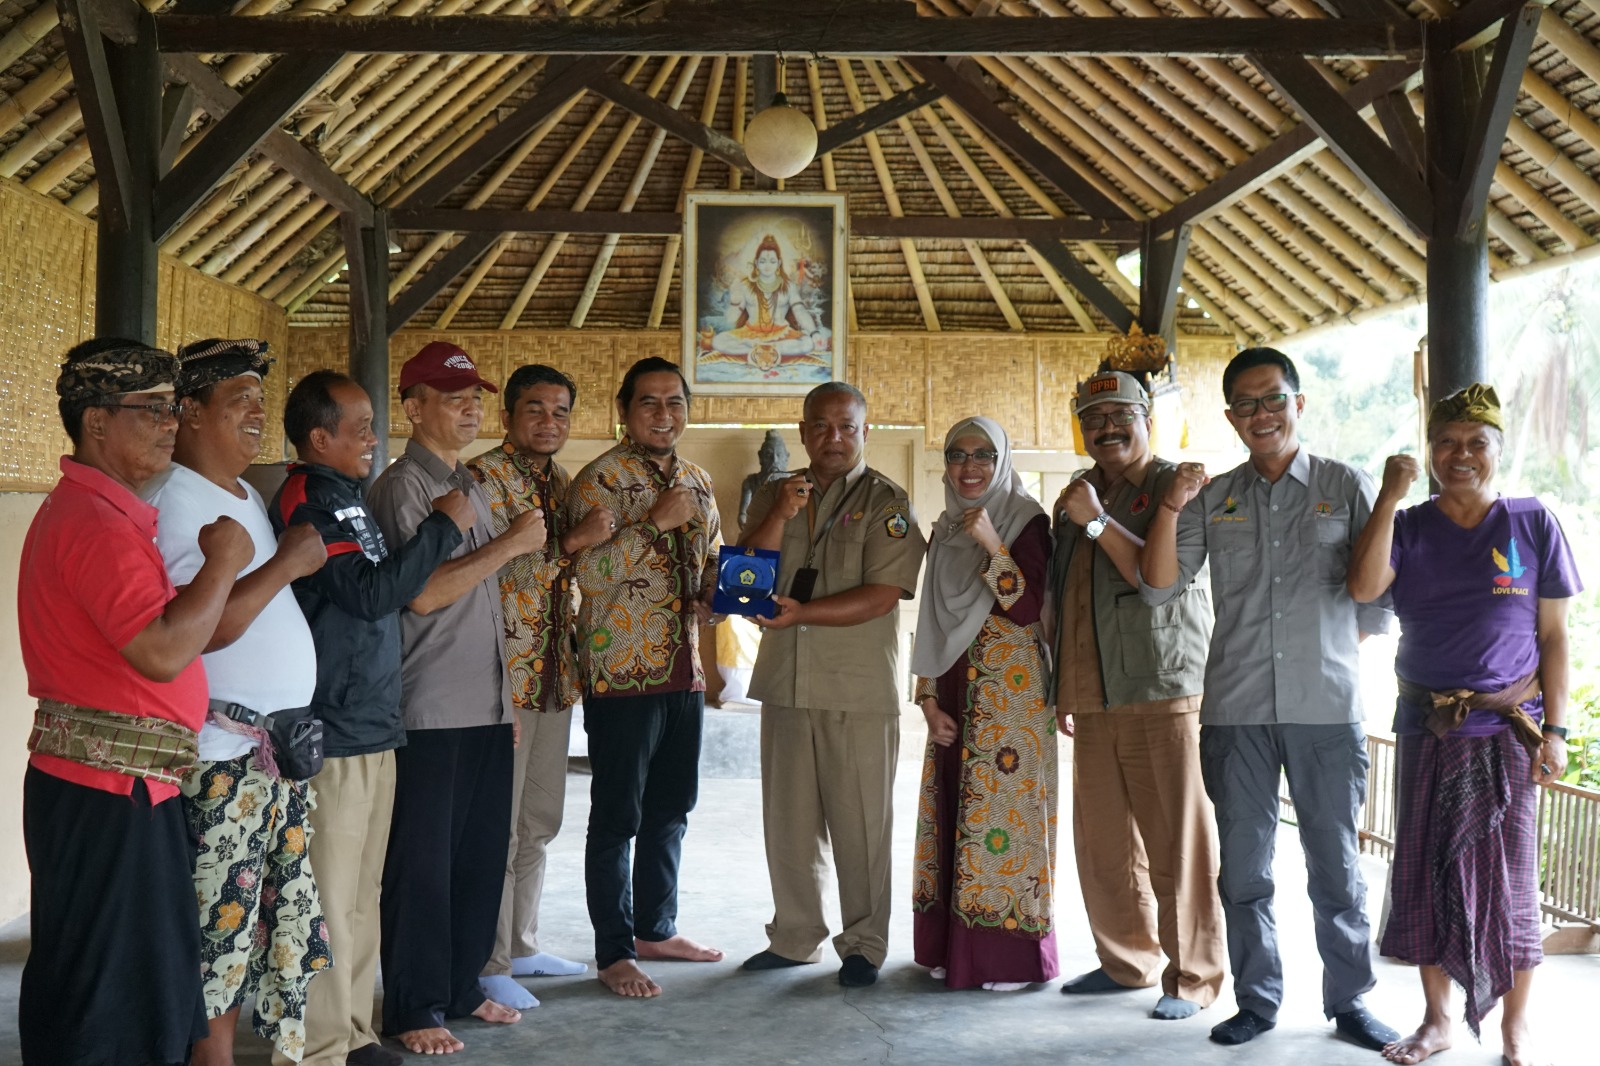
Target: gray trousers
{"x": 1327, "y": 771}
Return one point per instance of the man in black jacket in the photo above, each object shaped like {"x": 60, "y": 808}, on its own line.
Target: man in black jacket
{"x": 352, "y": 605}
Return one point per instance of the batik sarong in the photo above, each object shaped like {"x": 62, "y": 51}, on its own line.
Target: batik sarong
{"x": 1464, "y": 890}
{"x": 262, "y": 932}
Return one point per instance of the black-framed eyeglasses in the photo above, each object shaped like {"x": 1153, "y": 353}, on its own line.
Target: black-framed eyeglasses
{"x": 981, "y": 456}
{"x": 159, "y": 412}
{"x": 1274, "y": 403}
{"x": 1122, "y": 416}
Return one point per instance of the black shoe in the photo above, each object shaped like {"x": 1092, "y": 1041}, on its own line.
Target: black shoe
{"x": 373, "y": 1055}
{"x": 770, "y": 960}
{"x": 1092, "y": 982}
{"x": 857, "y": 972}
{"x": 1241, "y": 1028}
{"x": 1360, "y": 1027}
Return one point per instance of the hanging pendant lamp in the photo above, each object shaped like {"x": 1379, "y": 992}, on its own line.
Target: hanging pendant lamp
{"x": 780, "y": 141}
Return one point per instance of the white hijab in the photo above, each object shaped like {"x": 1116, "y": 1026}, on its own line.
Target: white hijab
{"x": 955, "y": 599}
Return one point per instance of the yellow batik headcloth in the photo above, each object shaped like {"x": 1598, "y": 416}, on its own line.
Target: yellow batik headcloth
{"x": 1475, "y": 403}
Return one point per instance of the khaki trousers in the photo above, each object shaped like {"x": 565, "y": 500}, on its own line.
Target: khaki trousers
{"x": 538, "y": 800}
{"x": 1147, "y": 851}
{"x": 828, "y": 776}
{"x": 349, "y": 839}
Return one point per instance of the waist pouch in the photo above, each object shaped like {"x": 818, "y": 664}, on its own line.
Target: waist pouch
{"x": 295, "y": 735}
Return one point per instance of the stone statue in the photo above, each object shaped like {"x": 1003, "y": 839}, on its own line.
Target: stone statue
{"x": 774, "y": 457}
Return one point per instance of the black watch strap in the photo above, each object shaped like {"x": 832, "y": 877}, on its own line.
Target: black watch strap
{"x": 1554, "y": 730}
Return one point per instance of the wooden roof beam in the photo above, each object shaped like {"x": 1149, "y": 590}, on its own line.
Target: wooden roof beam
{"x": 1290, "y": 148}
{"x": 712, "y": 142}
{"x": 880, "y": 114}
{"x": 757, "y": 29}
{"x": 218, "y": 98}
{"x": 1066, "y": 174}
{"x": 274, "y": 96}
{"x": 559, "y": 87}
{"x": 1497, "y": 97}
{"x": 1084, "y": 280}
{"x": 1331, "y": 115}
{"x": 102, "y": 120}
{"x": 420, "y": 293}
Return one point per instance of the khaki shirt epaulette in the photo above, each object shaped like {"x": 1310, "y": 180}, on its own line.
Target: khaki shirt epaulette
{"x": 865, "y": 533}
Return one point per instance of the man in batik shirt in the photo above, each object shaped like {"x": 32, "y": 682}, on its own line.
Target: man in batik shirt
{"x": 646, "y": 589}
{"x": 536, "y": 597}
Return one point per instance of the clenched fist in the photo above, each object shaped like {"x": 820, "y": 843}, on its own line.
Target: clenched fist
{"x": 977, "y": 525}
{"x": 455, "y": 504}
{"x": 793, "y": 495}
{"x": 1399, "y": 473}
{"x": 227, "y": 543}
{"x": 300, "y": 548}
{"x": 1185, "y": 486}
{"x": 673, "y": 508}
{"x": 597, "y": 526}
{"x": 1080, "y": 502}
{"x": 527, "y": 531}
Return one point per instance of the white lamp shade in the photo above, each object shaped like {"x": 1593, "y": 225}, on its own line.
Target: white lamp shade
{"x": 780, "y": 141}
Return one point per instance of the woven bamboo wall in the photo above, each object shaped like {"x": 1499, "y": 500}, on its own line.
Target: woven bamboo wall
{"x": 47, "y": 275}
{"x": 910, "y": 379}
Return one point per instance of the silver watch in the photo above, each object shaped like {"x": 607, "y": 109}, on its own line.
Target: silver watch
{"x": 1097, "y": 525}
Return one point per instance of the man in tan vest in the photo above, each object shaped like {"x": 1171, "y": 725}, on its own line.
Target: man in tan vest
{"x": 1129, "y": 679}
{"x": 828, "y": 678}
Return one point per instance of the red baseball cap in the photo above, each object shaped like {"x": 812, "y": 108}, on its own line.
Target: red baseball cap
{"x": 443, "y": 366}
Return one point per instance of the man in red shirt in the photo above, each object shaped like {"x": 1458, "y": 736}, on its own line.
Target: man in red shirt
{"x": 113, "y": 974}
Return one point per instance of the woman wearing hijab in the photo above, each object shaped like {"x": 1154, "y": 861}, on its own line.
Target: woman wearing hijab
{"x": 986, "y": 820}
{"x": 1481, "y": 584}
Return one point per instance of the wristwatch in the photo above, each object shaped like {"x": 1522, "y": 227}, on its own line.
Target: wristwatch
{"x": 1097, "y": 525}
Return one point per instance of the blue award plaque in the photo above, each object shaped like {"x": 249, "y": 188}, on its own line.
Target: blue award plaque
{"x": 746, "y": 579}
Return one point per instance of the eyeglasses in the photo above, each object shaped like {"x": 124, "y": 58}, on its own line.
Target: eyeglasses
{"x": 1125, "y": 416}
{"x": 1273, "y": 404}
{"x": 157, "y": 412}
{"x": 981, "y": 456}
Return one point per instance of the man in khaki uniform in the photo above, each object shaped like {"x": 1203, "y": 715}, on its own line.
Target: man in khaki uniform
{"x": 827, "y": 675}
{"x": 1129, "y": 679}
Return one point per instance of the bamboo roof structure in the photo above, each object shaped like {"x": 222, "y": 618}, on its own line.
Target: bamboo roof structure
{"x": 1287, "y": 235}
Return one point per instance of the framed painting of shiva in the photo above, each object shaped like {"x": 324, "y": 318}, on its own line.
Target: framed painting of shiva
{"x": 763, "y": 292}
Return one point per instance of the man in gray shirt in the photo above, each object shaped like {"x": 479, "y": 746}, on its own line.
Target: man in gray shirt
{"x": 452, "y": 804}
{"x": 1280, "y": 685}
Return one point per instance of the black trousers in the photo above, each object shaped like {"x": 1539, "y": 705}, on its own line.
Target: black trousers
{"x": 442, "y": 876}
{"x": 645, "y": 754}
{"x": 113, "y": 972}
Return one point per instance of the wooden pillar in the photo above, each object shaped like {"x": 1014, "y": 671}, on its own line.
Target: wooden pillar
{"x": 1161, "y": 257}
{"x": 1468, "y": 96}
{"x": 119, "y": 86}
{"x": 764, "y": 84}
{"x": 366, "y": 243}
{"x": 1458, "y": 263}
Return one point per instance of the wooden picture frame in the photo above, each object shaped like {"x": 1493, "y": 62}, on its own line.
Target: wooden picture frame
{"x": 763, "y": 292}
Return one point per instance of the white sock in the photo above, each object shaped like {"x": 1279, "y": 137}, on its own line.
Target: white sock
{"x": 1005, "y": 986}
{"x": 938, "y": 973}
{"x": 544, "y": 964}
{"x": 506, "y": 992}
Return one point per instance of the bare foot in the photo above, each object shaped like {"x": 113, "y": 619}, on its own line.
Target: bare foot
{"x": 437, "y": 1041}
{"x": 1431, "y": 1037}
{"x": 1516, "y": 1046}
{"x": 677, "y": 947}
{"x": 496, "y": 1013}
{"x": 626, "y": 979}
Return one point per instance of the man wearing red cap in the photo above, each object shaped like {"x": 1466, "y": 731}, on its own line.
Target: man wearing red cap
{"x": 452, "y": 801}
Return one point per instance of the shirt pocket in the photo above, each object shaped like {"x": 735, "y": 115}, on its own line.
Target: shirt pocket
{"x": 848, "y": 544}
{"x": 1232, "y": 556}
{"x": 1329, "y": 541}
{"x": 1149, "y": 637}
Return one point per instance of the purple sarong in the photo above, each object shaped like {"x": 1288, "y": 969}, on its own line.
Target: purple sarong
{"x": 1464, "y": 890}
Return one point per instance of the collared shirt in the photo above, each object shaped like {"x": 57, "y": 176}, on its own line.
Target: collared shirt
{"x": 452, "y": 665}
{"x": 1080, "y": 688}
{"x": 1284, "y": 649}
{"x": 861, "y": 531}
{"x": 536, "y": 591}
{"x": 92, "y": 580}
{"x": 637, "y": 631}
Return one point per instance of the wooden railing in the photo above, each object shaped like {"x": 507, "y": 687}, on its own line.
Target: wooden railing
{"x": 1569, "y": 836}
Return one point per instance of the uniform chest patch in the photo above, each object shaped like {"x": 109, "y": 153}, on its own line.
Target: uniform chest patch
{"x": 1140, "y": 503}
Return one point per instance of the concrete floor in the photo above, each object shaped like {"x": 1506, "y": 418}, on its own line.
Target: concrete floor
{"x": 713, "y": 1015}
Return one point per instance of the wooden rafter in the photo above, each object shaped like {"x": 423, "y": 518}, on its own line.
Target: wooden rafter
{"x": 420, "y": 293}
{"x": 712, "y": 142}
{"x": 1488, "y": 133}
{"x": 759, "y": 29}
{"x": 1083, "y": 279}
{"x": 878, "y": 115}
{"x": 102, "y": 117}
